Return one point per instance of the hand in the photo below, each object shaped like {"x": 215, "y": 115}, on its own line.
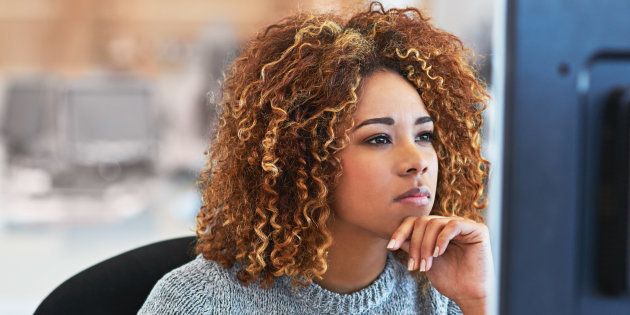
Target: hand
{"x": 453, "y": 251}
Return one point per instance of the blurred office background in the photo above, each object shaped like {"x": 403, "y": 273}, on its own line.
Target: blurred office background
{"x": 105, "y": 111}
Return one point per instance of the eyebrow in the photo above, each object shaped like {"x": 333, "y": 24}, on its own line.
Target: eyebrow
{"x": 390, "y": 121}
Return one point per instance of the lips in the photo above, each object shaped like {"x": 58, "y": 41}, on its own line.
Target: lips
{"x": 416, "y": 192}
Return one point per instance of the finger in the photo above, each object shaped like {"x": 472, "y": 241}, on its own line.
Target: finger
{"x": 401, "y": 234}
{"x": 428, "y": 247}
{"x": 463, "y": 231}
{"x": 415, "y": 259}
{"x": 405, "y": 246}
{"x": 450, "y": 231}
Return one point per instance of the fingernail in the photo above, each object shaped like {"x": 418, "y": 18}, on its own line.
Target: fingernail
{"x": 436, "y": 251}
{"x": 410, "y": 264}
{"x": 391, "y": 244}
{"x": 429, "y": 263}
{"x": 423, "y": 265}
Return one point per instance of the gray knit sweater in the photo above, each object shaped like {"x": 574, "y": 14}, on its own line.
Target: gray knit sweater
{"x": 205, "y": 287}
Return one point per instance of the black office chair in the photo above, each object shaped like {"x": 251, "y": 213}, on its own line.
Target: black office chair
{"x": 119, "y": 285}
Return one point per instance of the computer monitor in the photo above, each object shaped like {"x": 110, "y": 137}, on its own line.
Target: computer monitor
{"x": 564, "y": 236}
{"x": 29, "y": 120}
{"x": 109, "y": 121}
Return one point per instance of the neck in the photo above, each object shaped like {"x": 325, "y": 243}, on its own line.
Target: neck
{"x": 355, "y": 259}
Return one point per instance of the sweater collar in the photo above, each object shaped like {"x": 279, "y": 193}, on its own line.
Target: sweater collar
{"x": 375, "y": 294}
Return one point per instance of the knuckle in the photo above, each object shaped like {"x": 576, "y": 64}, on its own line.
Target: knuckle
{"x": 436, "y": 222}
{"x": 419, "y": 223}
{"x": 431, "y": 223}
{"x": 451, "y": 224}
{"x": 439, "y": 241}
{"x": 409, "y": 219}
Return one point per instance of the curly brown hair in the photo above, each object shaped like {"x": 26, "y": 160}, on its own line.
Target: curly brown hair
{"x": 285, "y": 113}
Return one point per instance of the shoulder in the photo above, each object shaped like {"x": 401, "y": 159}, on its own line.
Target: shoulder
{"x": 186, "y": 289}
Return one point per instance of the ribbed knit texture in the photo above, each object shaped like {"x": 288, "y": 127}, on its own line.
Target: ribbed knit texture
{"x": 205, "y": 287}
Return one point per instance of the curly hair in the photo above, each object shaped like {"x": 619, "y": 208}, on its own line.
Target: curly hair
{"x": 285, "y": 113}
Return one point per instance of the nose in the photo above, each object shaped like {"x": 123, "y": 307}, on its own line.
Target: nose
{"x": 413, "y": 160}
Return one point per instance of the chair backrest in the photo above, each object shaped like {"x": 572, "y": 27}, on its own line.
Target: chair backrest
{"x": 118, "y": 285}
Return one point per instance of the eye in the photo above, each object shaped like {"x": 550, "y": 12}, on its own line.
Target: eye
{"x": 426, "y": 136}
{"x": 379, "y": 140}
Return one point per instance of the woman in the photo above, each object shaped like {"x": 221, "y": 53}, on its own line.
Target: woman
{"x": 345, "y": 176}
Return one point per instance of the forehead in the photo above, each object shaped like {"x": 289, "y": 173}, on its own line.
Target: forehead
{"x": 387, "y": 93}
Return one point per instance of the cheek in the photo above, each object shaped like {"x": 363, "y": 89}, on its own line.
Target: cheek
{"x": 363, "y": 196}
{"x": 435, "y": 166}
{"x": 363, "y": 179}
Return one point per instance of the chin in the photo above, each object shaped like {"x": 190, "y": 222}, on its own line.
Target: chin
{"x": 415, "y": 210}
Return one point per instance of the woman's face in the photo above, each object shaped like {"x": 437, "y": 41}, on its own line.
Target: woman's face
{"x": 390, "y": 153}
